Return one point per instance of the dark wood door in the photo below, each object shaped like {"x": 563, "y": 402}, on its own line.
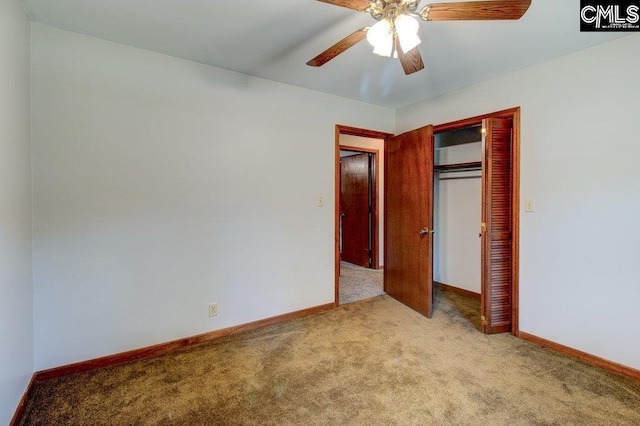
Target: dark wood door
{"x": 408, "y": 274}
{"x": 497, "y": 232}
{"x": 355, "y": 206}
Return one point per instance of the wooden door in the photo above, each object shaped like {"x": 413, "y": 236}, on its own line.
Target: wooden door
{"x": 355, "y": 208}
{"x": 408, "y": 274}
{"x": 497, "y": 232}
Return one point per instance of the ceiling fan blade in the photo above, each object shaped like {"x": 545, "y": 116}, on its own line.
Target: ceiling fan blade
{"x": 475, "y": 10}
{"x": 339, "y": 47}
{"x": 359, "y": 5}
{"x": 411, "y": 61}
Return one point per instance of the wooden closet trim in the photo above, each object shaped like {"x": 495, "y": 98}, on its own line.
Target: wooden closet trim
{"x": 514, "y": 115}
{"x": 476, "y": 121}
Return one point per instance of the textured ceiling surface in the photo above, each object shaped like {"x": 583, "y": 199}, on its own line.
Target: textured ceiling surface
{"x": 274, "y": 39}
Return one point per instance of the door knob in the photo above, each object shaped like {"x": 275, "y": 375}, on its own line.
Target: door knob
{"x": 426, "y": 231}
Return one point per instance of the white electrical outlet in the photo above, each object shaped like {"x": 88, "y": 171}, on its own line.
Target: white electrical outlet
{"x": 213, "y": 309}
{"x": 320, "y": 201}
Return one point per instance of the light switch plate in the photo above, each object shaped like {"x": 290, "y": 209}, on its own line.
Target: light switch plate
{"x": 528, "y": 204}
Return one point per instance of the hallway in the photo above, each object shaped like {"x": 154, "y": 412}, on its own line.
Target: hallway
{"x": 358, "y": 283}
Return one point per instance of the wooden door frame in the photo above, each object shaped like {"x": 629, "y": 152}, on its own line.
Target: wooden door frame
{"x": 374, "y": 226}
{"x": 514, "y": 115}
{"x": 371, "y": 134}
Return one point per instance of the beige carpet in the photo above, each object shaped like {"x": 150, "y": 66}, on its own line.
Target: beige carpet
{"x": 368, "y": 363}
{"x": 358, "y": 283}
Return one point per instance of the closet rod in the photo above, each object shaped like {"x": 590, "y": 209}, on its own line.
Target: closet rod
{"x": 459, "y": 167}
{"x": 475, "y": 169}
{"x": 458, "y": 177}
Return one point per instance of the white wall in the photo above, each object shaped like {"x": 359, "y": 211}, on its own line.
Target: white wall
{"x": 16, "y": 324}
{"x": 161, "y": 185}
{"x": 370, "y": 143}
{"x": 579, "y": 282}
{"x": 457, "y": 215}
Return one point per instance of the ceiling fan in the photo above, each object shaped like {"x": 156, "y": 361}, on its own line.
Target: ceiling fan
{"x": 396, "y": 32}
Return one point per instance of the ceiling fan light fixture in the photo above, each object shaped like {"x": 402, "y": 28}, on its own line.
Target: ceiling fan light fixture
{"x": 384, "y": 49}
{"x": 407, "y": 30}
{"x": 381, "y": 38}
{"x": 409, "y": 41}
{"x": 396, "y": 32}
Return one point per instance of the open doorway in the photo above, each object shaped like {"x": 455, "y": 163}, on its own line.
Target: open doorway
{"x": 360, "y": 277}
{"x": 359, "y": 213}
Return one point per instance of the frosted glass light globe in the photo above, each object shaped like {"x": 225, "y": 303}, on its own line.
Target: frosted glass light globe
{"x": 407, "y": 30}
{"x": 380, "y": 37}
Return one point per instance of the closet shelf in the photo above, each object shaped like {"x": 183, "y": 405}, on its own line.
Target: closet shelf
{"x": 459, "y": 167}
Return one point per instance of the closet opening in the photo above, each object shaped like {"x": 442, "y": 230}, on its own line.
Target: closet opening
{"x": 410, "y": 171}
{"x": 457, "y": 214}
{"x": 476, "y": 218}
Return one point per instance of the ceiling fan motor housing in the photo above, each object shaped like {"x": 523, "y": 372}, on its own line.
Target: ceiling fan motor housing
{"x": 390, "y": 9}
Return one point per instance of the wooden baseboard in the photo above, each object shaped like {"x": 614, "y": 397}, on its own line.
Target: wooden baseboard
{"x": 582, "y": 356}
{"x": 164, "y": 348}
{"x": 458, "y": 290}
{"x": 17, "y": 416}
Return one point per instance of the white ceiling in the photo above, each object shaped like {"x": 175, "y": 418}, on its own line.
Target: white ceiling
{"x": 274, "y": 39}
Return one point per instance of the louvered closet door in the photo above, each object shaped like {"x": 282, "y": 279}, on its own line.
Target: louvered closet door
{"x": 497, "y": 248}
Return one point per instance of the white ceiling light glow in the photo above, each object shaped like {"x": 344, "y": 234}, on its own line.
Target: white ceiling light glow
{"x": 407, "y": 30}
{"x": 382, "y": 34}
